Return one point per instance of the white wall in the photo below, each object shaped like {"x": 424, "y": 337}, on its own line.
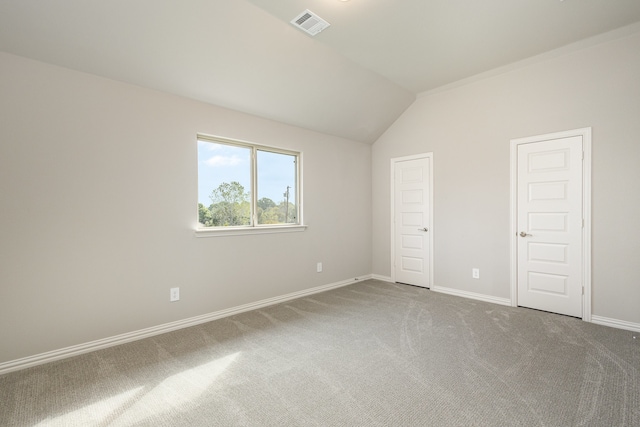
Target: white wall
{"x": 468, "y": 129}
{"x": 98, "y": 203}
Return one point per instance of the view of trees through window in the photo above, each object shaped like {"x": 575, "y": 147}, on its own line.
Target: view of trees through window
{"x": 225, "y": 194}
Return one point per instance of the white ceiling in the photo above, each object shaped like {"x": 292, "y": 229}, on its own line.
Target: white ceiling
{"x": 352, "y": 80}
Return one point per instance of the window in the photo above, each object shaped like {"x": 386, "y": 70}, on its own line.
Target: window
{"x": 243, "y": 186}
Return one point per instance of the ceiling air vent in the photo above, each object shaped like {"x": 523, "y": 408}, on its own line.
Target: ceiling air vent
{"x": 309, "y": 22}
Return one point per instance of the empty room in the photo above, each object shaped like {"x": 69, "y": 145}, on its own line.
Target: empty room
{"x": 319, "y": 213}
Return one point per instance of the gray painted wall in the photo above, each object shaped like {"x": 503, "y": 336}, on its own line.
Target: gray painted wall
{"x": 98, "y": 201}
{"x": 468, "y": 129}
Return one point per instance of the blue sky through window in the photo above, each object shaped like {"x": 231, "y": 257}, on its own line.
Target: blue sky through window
{"x": 218, "y": 163}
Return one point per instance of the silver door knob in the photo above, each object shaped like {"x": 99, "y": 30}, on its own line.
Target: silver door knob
{"x": 423, "y": 229}
{"x": 523, "y": 234}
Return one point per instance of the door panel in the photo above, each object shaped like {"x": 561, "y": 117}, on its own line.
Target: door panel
{"x": 411, "y": 196}
{"x": 549, "y": 225}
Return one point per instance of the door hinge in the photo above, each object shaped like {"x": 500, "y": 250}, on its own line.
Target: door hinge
{"x": 583, "y": 290}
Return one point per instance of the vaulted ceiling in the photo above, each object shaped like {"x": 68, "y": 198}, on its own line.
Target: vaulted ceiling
{"x": 352, "y": 80}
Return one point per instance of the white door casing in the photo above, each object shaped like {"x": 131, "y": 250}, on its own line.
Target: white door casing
{"x": 550, "y": 181}
{"x": 411, "y": 220}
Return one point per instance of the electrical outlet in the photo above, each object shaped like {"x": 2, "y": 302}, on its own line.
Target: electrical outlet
{"x": 475, "y": 273}
{"x": 319, "y": 267}
{"x": 174, "y": 294}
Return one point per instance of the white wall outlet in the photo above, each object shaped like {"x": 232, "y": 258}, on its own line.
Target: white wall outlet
{"x": 475, "y": 273}
{"x": 174, "y": 294}
{"x": 319, "y": 267}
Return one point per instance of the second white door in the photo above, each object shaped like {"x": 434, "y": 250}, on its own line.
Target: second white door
{"x": 550, "y": 225}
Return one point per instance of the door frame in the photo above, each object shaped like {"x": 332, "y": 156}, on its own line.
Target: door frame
{"x": 395, "y": 160}
{"x": 585, "y": 133}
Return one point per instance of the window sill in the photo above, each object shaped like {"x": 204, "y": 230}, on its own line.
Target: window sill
{"x": 243, "y": 231}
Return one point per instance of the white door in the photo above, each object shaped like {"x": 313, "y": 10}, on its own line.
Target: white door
{"x": 550, "y": 225}
{"x": 411, "y": 220}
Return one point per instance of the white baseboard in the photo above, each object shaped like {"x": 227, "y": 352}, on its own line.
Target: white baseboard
{"x": 50, "y": 356}
{"x": 615, "y": 323}
{"x": 605, "y": 321}
{"x": 457, "y": 292}
{"x": 75, "y": 350}
{"x": 381, "y": 278}
{"x": 472, "y": 295}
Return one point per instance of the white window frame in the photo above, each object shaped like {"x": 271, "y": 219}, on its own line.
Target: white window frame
{"x": 254, "y": 227}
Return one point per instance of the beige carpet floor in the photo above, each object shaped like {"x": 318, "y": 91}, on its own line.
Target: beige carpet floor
{"x": 369, "y": 354}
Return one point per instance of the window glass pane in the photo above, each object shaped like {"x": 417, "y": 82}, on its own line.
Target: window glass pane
{"x": 276, "y": 178}
{"x": 224, "y": 185}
